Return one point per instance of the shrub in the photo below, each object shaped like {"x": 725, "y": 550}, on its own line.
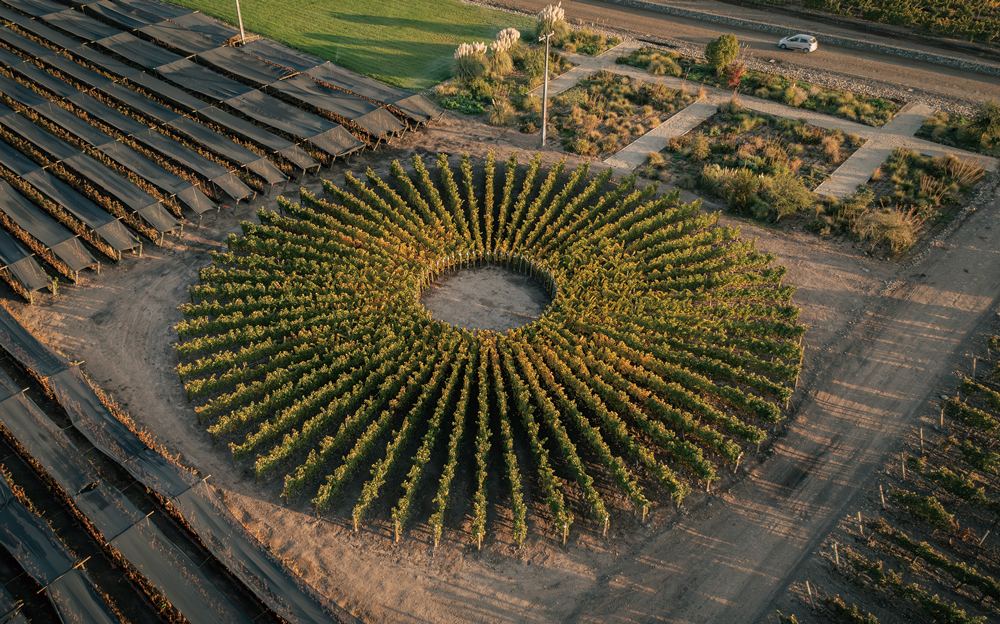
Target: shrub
{"x": 721, "y": 52}
{"x": 795, "y": 95}
{"x": 987, "y": 123}
{"x": 965, "y": 172}
{"x": 700, "y": 148}
{"x": 610, "y": 143}
{"x": 732, "y": 107}
{"x": 531, "y": 104}
{"x": 734, "y": 73}
{"x": 664, "y": 66}
{"x": 787, "y": 194}
{"x": 501, "y": 64}
{"x": 463, "y": 103}
{"x": 711, "y": 178}
{"x": 533, "y": 64}
{"x": 582, "y": 146}
{"x": 851, "y": 209}
{"x": 502, "y": 114}
{"x": 480, "y": 88}
{"x": 740, "y": 187}
{"x": 831, "y": 148}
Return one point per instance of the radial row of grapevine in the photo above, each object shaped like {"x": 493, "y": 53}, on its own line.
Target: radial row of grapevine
{"x": 668, "y": 349}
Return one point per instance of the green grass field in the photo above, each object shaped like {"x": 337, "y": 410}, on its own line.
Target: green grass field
{"x": 408, "y": 43}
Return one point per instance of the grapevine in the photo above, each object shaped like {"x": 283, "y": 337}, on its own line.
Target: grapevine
{"x": 667, "y": 351}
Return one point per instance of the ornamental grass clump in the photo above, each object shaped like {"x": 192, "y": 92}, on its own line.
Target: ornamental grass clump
{"x": 470, "y": 61}
{"x": 501, "y": 58}
{"x": 552, "y": 19}
{"x": 502, "y": 114}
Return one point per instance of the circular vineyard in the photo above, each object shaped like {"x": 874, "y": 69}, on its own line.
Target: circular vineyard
{"x": 667, "y": 345}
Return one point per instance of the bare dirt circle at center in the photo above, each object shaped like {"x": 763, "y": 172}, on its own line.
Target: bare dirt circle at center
{"x": 489, "y": 297}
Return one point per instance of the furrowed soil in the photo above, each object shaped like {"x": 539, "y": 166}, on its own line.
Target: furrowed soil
{"x": 879, "y": 335}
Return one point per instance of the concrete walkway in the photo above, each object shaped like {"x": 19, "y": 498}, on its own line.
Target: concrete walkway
{"x": 656, "y": 139}
{"x": 858, "y": 169}
{"x": 851, "y": 174}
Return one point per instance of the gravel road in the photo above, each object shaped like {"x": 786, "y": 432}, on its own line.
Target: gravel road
{"x": 854, "y": 70}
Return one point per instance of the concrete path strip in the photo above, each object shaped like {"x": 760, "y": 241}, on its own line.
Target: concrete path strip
{"x": 856, "y": 170}
{"x": 882, "y": 142}
{"x": 656, "y": 139}
{"x": 845, "y": 180}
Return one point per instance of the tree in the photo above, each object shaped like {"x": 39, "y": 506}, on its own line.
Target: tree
{"x": 721, "y": 52}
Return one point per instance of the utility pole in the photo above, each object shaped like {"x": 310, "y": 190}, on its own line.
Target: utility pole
{"x": 239, "y": 16}
{"x": 545, "y": 87}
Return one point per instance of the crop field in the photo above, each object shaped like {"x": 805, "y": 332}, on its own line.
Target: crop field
{"x": 297, "y": 379}
{"x": 262, "y": 418}
{"x": 920, "y": 548}
{"x": 407, "y": 44}
{"x": 976, "y": 21}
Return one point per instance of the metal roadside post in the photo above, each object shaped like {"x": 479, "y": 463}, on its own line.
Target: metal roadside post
{"x": 239, "y": 16}
{"x": 545, "y": 87}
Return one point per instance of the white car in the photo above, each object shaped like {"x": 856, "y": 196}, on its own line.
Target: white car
{"x": 806, "y": 43}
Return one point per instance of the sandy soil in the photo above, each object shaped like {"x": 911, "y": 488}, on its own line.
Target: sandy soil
{"x": 120, "y": 324}
{"x": 487, "y": 297}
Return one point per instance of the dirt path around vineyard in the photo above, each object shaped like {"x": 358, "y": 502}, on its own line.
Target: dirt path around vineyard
{"x": 879, "y": 335}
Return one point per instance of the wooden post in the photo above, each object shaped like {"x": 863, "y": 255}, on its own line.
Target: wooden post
{"x": 606, "y": 519}
{"x": 902, "y": 459}
{"x": 861, "y": 526}
{"x": 810, "y": 592}
{"x": 645, "y": 508}
{"x": 882, "y": 494}
{"x": 565, "y": 532}
{"x": 354, "y": 518}
{"x": 836, "y": 555}
{"x": 942, "y": 415}
{"x": 974, "y": 360}
{"x": 983, "y": 538}
{"x": 921, "y": 440}
{"x": 397, "y": 530}
{"x": 737, "y": 463}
